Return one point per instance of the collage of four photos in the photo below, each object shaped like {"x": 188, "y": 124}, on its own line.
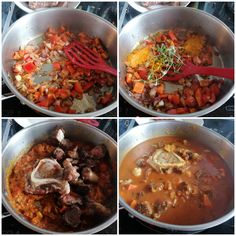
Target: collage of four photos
{"x": 117, "y": 117}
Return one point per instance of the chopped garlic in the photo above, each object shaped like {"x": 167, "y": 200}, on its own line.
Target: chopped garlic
{"x": 85, "y": 104}
{"x": 137, "y": 171}
{"x": 18, "y": 78}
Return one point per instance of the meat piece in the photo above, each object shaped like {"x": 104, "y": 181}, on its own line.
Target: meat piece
{"x": 58, "y": 154}
{"x": 73, "y": 153}
{"x": 47, "y": 177}
{"x": 147, "y": 173}
{"x": 89, "y": 175}
{"x": 59, "y": 134}
{"x": 141, "y": 163}
{"x": 96, "y": 208}
{"x": 98, "y": 151}
{"x": 70, "y": 172}
{"x": 36, "y": 5}
{"x": 72, "y": 216}
{"x": 66, "y": 143}
{"x": 81, "y": 187}
{"x": 165, "y": 158}
{"x": 182, "y": 186}
{"x": 71, "y": 199}
{"x": 145, "y": 208}
{"x": 161, "y": 206}
{"x": 154, "y": 187}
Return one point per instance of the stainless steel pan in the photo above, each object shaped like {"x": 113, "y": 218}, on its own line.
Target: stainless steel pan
{"x": 33, "y": 25}
{"x": 24, "y": 139}
{"x": 213, "y": 140}
{"x": 181, "y": 18}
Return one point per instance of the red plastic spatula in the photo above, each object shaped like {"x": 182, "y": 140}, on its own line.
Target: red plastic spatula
{"x": 84, "y": 57}
{"x": 191, "y": 69}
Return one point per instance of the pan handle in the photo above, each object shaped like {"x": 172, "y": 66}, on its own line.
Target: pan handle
{"x": 7, "y": 96}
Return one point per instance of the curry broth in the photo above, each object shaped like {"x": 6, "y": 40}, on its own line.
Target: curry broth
{"x": 185, "y": 212}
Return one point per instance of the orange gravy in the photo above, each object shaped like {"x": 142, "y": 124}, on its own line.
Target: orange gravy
{"x": 186, "y": 211}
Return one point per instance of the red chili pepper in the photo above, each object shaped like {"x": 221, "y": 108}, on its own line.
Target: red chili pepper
{"x": 198, "y": 96}
{"x": 172, "y": 36}
{"x": 56, "y": 66}
{"x": 29, "y": 67}
{"x": 63, "y": 93}
{"x": 106, "y": 98}
{"x": 71, "y": 111}
{"x": 142, "y": 71}
{"x": 70, "y": 69}
{"x": 78, "y": 88}
{"x": 87, "y": 86}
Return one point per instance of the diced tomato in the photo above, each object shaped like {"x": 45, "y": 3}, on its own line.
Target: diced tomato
{"x": 142, "y": 71}
{"x": 73, "y": 93}
{"x": 52, "y": 90}
{"x": 172, "y": 36}
{"x": 51, "y": 98}
{"x": 71, "y": 111}
{"x": 71, "y": 69}
{"x": 198, "y": 96}
{"x": 190, "y": 101}
{"x": 128, "y": 78}
{"x": 138, "y": 87}
{"x": 78, "y": 88}
{"x": 213, "y": 97}
{"x": 163, "y": 37}
{"x": 174, "y": 98}
{"x": 63, "y": 93}
{"x": 188, "y": 92}
{"x": 42, "y": 89}
{"x": 148, "y": 42}
{"x": 106, "y": 98}
{"x": 53, "y": 38}
{"x": 158, "y": 38}
{"x": 64, "y": 38}
{"x": 206, "y": 95}
{"x": 87, "y": 86}
{"x": 29, "y": 67}
{"x": 44, "y": 103}
{"x": 204, "y": 83}
{"x": 36, "y": 95}
{"x": 161, "y": 89}
{"x": 191, "y": 110}
{"x": 215, "y": 89}
{"x": 58, "y": 108}
{"x": 56, "y": 66}
{"x": 180, "y": 110}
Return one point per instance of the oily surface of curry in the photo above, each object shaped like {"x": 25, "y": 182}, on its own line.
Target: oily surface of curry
{"x": 198, "y": 192}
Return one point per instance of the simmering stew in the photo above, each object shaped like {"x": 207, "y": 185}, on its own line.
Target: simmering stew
{"x": 176, "y": 181}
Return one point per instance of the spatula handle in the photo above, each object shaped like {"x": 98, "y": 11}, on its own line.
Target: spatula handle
{"x": 221, "y": 72}
{"x": 108, "y": 69}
